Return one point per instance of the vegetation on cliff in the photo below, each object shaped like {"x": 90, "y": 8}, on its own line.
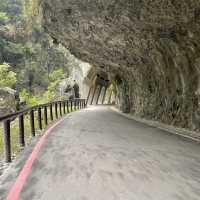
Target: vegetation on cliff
{"x": 27, "y": 54}
{"x": 31, "y": 64}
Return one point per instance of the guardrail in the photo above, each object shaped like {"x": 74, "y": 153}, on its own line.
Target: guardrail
{"x": 58, "y": 108}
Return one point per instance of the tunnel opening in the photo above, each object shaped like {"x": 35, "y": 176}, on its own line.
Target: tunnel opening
{"x": 100, "y": 89}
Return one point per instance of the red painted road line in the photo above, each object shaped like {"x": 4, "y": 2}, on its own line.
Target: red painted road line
{"x": 16, "y": 189}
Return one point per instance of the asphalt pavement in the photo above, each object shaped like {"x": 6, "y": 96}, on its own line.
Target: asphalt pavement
{"x": 97, "y": 154}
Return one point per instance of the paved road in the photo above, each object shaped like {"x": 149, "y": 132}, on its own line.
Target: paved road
{"x": 97, "y": 154}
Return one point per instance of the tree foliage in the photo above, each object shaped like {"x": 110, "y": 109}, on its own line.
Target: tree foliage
{"x": 32, "y": 56}
{"x": 55, "y": 77}
{"x": 3, "y": 18}
{"x": 7, "y": 77}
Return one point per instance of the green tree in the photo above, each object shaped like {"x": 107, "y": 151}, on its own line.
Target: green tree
{"x": 56, "y": 75}
{"x": 30, "y": 100}
{"x": 55, "y": 78}
{"x": 3, "y": 18}
{"x": 31, "y": 52}
{"x": 7, "y": 77}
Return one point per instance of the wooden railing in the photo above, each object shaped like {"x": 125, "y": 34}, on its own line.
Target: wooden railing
{"x": 45, "y": 113}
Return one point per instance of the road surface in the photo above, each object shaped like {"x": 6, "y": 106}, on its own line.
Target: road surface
{"x": 97, "y": 154}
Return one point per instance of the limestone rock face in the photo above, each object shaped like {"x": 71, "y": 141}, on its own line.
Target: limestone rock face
{"x": 8, "y": 102}
{"x": 150, "y": 49}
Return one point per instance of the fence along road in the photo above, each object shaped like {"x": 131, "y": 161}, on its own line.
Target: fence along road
{"x": 45, "y": 114}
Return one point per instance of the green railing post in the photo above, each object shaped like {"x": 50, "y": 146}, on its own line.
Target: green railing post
{"x": 51, "y": 112}
{"x": 39, "y": 119}
{"x": 7, "y": 141}
{"x": 60, "y": 108}
{"x": 64, "y": 110}
{"x": 32, "y": 123}
{"x": 71, "y": 103}
{"x": 45, "y": 116}
{"x": 21, "y": 130}
{"x": 67, "y": 106}
{"x": 56, "y": 110}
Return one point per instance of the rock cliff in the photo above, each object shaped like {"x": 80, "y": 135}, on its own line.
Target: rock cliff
{"x": 150, "y": 49}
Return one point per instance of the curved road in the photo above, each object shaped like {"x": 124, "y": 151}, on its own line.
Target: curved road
{"x": 97, "y": 154}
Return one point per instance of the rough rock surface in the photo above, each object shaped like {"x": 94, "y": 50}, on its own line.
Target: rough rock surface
{"x": 151, "y": 50}
{"x": 8, "y": 103}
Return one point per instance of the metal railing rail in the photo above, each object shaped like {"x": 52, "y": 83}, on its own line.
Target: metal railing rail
{"x": 60, "y": 108}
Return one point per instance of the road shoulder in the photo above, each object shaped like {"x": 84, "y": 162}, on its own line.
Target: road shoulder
{"x": 181, "y": 132}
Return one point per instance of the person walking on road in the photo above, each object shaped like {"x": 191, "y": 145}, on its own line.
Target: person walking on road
{"x": 76, "y": 90}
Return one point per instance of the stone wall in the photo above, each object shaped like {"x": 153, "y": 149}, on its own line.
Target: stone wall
{"x": 153, "y": 47}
